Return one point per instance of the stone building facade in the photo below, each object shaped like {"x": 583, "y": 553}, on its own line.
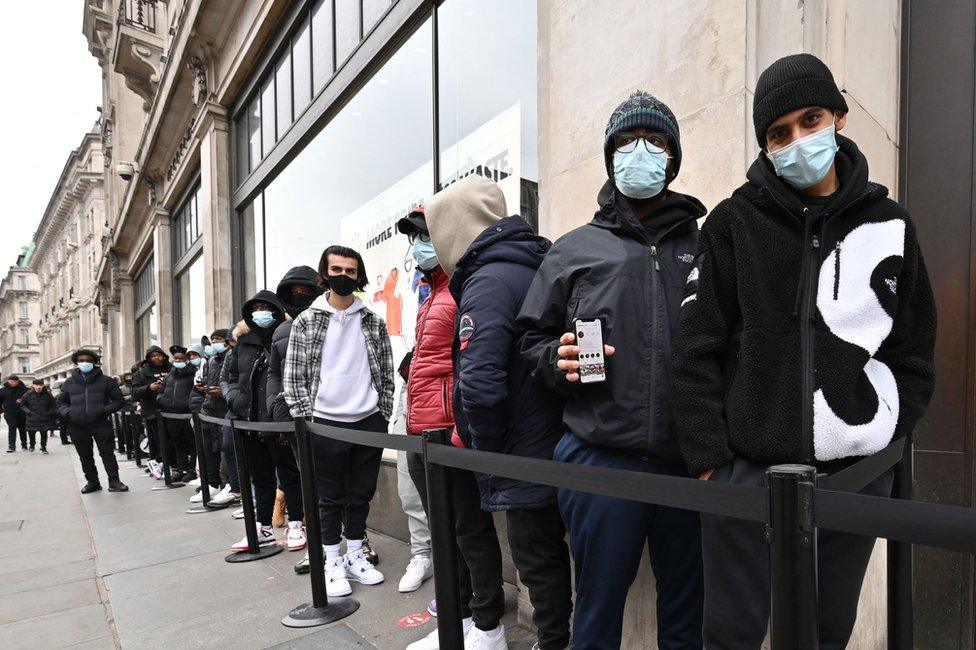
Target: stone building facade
{"x": 240, "y": 137}
{"x": 19, "y": 316}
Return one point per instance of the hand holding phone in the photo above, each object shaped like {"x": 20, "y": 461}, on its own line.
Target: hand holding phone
{"x": 569, "y": 352}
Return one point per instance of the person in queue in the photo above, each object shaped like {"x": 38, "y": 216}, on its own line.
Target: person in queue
{"x": 146, "y": 384}
{"x": 338, "y": 370}
{"x": 174, "y": 397}
{"x": 626, "y": 268}
{"x": 806, "y": 336}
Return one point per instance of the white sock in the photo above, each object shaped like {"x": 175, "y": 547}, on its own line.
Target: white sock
{"x": 331, "y": 551}
{"x": 353, "y": 545}
{"x": 467, "y": 624}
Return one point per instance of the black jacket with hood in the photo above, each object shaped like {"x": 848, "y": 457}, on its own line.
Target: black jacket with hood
{"x": 611, "y": 269}
{"x": 214, "y": 406}
{"x": 299, "y": 275}
{"x": 174, "y": 396}
{"x": 803, "y": 338}
{"x": 41, "y": 409}
{"x": 88, "y": 400}
{"x": 243, "y": 376}
{"x": 9, "y": 396}
{"x": 146, "y": 375}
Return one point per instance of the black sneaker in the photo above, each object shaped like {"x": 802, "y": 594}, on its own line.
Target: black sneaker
{"x": 115, "y": 485}
{"x": 370, "y": 554}
{"x": 11, "y": 450}
{"x": 188, "y": 476}
{"x": 43, "y": 450}
{"x": 32, "y": 448}
{"x": 91, "y": 486}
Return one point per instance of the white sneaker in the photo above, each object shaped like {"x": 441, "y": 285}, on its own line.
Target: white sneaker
{"x": 266, "y": 537}
{"x": 491, "y": 640}
{"x": 419, "y": 569}
{"x": 225, "y": 496}
{"x": 336, "y": 583}
{"x": 156, "y": 469}
{"x": 295, "y": 536}
{"x": 238, "y": 514}
{"x": 359, "y": 569}
{"x": 431, "y": 642}
{"x": 195, "y": 482}
{"x": 214, "y": 493}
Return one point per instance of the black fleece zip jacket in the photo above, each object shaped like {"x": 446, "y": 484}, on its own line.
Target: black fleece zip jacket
{"x": 804, "y": 337}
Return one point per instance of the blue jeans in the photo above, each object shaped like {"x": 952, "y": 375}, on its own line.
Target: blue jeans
{"x": 230, "y": 457}
{"x": 608, "y": 536}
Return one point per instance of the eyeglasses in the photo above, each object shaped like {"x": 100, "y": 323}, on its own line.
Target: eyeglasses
{"x": 422, "y": 236}
{"x": 626, "y": 142}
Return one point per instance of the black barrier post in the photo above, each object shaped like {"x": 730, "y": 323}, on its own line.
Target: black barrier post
{"x": 793, "y": 557}
{"x": 253, "y": 552}
{"x": 168, "y": 483}
{"x": 321, "y": 611}
{"x": 126, "y": 433}
{"x": 138, "y": 433}
{"x": 901, "y": 629}
{"x": 447, "y": 582}
{"x": 204, "y": 474}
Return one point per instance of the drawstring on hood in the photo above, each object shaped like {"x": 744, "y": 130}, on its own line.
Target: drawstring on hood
{"x": 457, "y": 215}
{"x": 322, "y": 303}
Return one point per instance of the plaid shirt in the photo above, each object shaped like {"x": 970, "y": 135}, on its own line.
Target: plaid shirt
{"x": 303, "y": 361}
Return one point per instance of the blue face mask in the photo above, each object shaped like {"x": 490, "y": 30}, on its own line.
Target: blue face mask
{"x": 424, "y": 255}
{"x": 640, "y": 174}
{"x": 86, "y": 366}
{"x": 196, "y": 362}
{"x": 262, "y": 318}
{"x": 218, "y": 348}
{"x": 179, "y": 364}
{"x": 805, "y": 162}
{"x": 208, "y": 351}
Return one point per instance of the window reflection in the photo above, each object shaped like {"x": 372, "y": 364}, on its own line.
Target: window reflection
{"x": 302, "y": 58}
{"x": 283, "y": 94}
{"x": 192, "y": 307}
{"x": 254, "y": 131}
{"x": 346, "y": 28}
{"x": 267, "y": 115}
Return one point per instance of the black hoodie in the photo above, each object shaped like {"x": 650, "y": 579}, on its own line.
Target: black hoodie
{"x": 803, "y": 339}
{"x": 610, "y": 269}
{"x": 299, "y": 275}
{"x": 146, "y": 375}
{"x": 9, "y": 396}
{"x": 243, "y": 376}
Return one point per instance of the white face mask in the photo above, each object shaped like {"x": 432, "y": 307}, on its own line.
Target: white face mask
{"x": 805, "y": 162}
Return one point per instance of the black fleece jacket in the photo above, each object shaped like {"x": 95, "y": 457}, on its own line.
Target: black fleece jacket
{"x": 146, "y": 375}
{"x": 174, "y": 396}
{"x": 243, "y": 376}
{"x": 300, "y": 275}
{"x": 803, "y": 337}
{"x": 614, "y": 270}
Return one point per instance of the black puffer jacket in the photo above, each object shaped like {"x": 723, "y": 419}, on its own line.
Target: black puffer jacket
{"x": 300, "y": 275}
{"x": 88, "y": 400}
{"x": 174, "y": 397}
{"x": 41, "y": 409}
{"x": 805, "y": 338}
{"x": 610, "y": 269}
{"x": 243, "y": 377}
{"x": 146, "y": 375}
{"x": 214, "y": 406}
{"x": 9, "y": 396}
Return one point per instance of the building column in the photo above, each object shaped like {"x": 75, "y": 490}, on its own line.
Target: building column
{"x": 215, "y": 216}
{"x": 163, "y": 256}
{"x": 123, "y": 319}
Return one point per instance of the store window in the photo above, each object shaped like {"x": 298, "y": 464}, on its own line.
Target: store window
{"x": 487, "y": 127}
{"x": 189, "y": 308}
{"x": 147, "y": 323}
{"x": 186, "y": 224}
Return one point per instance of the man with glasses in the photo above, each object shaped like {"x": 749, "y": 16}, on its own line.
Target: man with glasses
{"x": 627, "y": 268}
{"x": 806, "y": 336}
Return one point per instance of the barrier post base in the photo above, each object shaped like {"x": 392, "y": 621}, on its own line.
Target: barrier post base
{"x": 308, "y": 615}
{"x": 247, "y": 556}
{"x": 168, "y": 486}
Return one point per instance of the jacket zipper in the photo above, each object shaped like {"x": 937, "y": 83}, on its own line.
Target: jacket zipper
{"x": 655, "y": 334}
{"x": 807, "y": 342}
{"x": 444, "y": 400}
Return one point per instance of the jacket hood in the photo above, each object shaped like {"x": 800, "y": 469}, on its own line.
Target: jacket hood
{"x": 457, "y": 215}
{"x": 196, "y": 347}
{"x": 304, "y": 276}
{"x": 155, "y": 348}
{"x": 278, "y": 308}
{"x": 615, "y": 212}
{"x": 510, "y": 240}
{"x": 765, "y": 188}
{"x": 322, "y": 304}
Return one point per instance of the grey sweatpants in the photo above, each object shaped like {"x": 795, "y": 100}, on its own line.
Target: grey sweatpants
{"x": 409, "y": 497}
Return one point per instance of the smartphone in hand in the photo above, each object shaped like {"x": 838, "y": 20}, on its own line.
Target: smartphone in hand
{"x": 589, "y": 338}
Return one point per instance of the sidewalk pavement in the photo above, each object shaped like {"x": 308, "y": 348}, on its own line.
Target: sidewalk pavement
{"x": 133, "y": 570}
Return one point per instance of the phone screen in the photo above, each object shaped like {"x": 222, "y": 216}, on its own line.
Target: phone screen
{"x": 589, "y": 338}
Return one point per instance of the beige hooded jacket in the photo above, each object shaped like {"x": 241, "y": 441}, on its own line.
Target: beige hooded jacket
{"x": 459, "y": 213}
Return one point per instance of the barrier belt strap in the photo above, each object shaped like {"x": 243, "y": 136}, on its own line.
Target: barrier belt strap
{"x": 265, "y": 427}
{"x": 859, "y": 475}
{"x": 224, "y": 422}
{"x": 409, "y": 444}
{"x": 727, "y": 499}
{"x": 176, "y": 416}
{"x": 931, "y": 524}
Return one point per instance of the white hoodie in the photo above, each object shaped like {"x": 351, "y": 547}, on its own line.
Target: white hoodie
{"x": 346, "y": 392}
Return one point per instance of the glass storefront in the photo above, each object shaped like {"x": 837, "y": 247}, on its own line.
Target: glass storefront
{"x": 188, "y": 278}
{"x": 147, "y": 323}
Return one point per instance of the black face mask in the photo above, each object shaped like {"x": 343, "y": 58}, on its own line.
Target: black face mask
{"x": 343, "y": 285}
{"x": 299, "y": 302}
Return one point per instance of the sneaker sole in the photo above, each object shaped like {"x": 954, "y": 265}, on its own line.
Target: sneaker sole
{"x": 304, "y": 570}
{"x": 247, "y": 548}
{"x": 409, "y": 590}
{"x": 338, "y": 594}
{"x": 363, "y": 582}
{"x": 297, "y": 548}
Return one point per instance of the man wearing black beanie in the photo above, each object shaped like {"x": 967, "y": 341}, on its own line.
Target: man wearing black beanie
{"x": 806, "y": 336}
{"x": 626, "y": 268}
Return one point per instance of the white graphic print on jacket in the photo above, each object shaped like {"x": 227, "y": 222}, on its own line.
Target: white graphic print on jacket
{"x": 851, "y": 309}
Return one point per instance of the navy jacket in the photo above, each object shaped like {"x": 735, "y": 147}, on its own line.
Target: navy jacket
{"x": 497, "y": 404}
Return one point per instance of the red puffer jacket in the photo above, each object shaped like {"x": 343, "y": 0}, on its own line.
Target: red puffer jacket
{"x": 430, "y": 387}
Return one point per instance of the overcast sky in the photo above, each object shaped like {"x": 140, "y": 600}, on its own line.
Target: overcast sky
{"x": 52, "y": 86}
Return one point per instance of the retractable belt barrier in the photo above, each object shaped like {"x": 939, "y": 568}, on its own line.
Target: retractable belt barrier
{"x": 794, "y": 504}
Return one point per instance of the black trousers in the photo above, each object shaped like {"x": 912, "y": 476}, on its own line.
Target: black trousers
{"x": 33, "y": 437}
{"x": 479, "y": 556}
{"x": 152, "y": 433}
{"x": 538, "y": 542}
{"x": 16, "y": 422}
{"x": 179, "y": 442}
{"x": 211, "y": 451}
{"x": 736, "y": 557}
{"x": 345, "y": 478}
{"x": 267, "y": 456}
{"x": 101, "y": 436}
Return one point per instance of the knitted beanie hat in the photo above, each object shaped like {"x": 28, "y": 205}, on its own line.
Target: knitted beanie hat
{"x": 642, "y": 109}
{"x": 793, "y": 82}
